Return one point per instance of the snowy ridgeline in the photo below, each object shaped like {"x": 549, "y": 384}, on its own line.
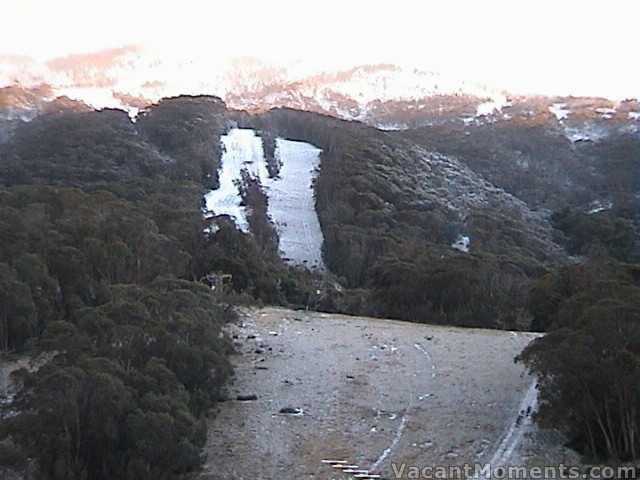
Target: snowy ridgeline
{"x": 291, "y": 201}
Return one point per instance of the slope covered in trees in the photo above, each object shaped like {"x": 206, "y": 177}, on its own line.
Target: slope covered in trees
{"x": 101, "y": 248}
{"x": 588, "y": 364}
{"x": 390, "y": 211}
{"x": 103, "y": 244}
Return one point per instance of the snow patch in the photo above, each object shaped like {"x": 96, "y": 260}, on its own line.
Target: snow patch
{"x": 606, "y": 112}
{"x": 391, "y": 127}
{"x": 496, "y": 104}
{"x": 394, "y": 443}
{"x": 559, "y": 110}
{"x": 242, "y": 151}
{"x": 597, "y": 206}
{"x": 588, "y": 132}
{"x": 634, "y": 115}
{"x": 291, "y": 203}
{"x": 462, "y": 244}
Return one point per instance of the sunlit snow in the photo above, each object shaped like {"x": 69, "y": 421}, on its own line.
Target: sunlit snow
{"x": 496, "y": 104}
{"x": 559, "y": 110}
{"x": 290, "y": 196}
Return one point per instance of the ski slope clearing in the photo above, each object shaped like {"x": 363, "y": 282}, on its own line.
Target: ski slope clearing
{"x": 242, "y": 151}
{"x": 292, "y": 204}
{"x": 290, "y": 195}
{"x": 367, "y": 393}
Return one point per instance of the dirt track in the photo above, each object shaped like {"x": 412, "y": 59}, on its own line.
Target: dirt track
{"x": 371, "y": 392}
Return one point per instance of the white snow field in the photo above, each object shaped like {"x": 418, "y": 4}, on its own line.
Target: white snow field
{"x": 292, "y": 204}
{"x": 291, "y": 200}
{"x": 559, "y": 110}
{"x": 242, "y": 150}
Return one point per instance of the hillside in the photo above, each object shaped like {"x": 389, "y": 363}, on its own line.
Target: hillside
{"x": 127, "y": 241}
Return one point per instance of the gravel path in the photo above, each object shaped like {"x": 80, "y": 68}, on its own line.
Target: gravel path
{"x": 371, "y": 392}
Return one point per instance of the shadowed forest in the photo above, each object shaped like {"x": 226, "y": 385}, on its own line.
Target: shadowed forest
{"x": 103, "y": 248}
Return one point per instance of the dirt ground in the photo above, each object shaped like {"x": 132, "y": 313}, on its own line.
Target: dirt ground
{"x": 371, "y": 393}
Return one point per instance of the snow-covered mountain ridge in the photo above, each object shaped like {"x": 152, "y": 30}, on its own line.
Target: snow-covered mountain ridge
{"x": 130, "y": 77}
{"x": 387, "y": 96}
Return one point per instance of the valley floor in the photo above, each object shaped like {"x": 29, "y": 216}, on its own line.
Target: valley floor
{"x": 371, "y": 393}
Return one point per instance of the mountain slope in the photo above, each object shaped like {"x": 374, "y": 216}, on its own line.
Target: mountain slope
{"x": 395, "y": 215}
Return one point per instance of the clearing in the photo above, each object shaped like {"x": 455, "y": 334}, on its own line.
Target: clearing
{"x": 368, "y": 392}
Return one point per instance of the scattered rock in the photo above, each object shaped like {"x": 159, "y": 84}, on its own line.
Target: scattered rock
{"x": 350, "y": 377}
{"x": 291, "y": 411}
{"x": 429, "y": 337}
{"x": 259, "y": 351}
{"x": 250, "y": 337}
{"x": 247, "y": 398}
{"x": 261, "y": 367}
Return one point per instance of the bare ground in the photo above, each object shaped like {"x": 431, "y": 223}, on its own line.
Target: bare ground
{"x": 372, "y": 392}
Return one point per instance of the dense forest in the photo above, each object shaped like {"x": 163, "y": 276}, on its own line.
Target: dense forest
{"x": 101, "y": 253}
{"x": 104, "y": 246}
{"x": 388, "y": 242}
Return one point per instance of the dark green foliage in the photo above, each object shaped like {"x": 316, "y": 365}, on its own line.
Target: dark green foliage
{"x": 18, "y": 320}
{"x": 75, "y": 148}
{"x": 620, "y": 172}
{"x": 604, "y": 229}
{"x": 260, "y": 224}
{"x": 97, "y": 283}
{"x": 391, "y": 249}
{"x": 107, "y": 420}
{"x": 464, "y": 290}
{"x": 102, "y": 237}
{"x": 588, "y": 365}
{"x": 99, "y": 279}
{"x": 185, "y": 128}
{"x": 269, "y": 149}
{"x": 525, "y": 156}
